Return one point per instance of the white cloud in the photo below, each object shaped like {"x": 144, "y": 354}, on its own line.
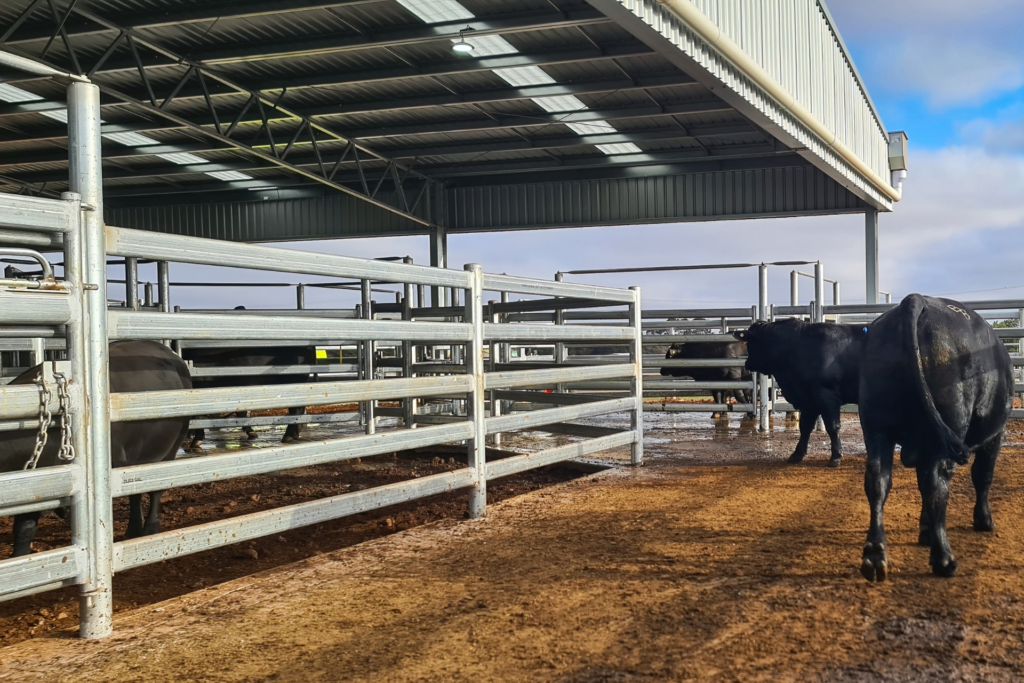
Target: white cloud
{"x": 951, "y": 53}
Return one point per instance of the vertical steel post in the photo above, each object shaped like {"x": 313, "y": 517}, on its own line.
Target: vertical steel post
{"x": 819, "y": 292}
{"x": 636, "y": 382}
{"x": 367, "y": 346}
{"x": 300, "y": 296}
{"x": 794, "y": 288}
{"x": 836, "y": 301}
{"x": 147, "y": 299}
{"x": 163, "y": 283}
{"x": 474, "y": 315}
{"x": 762, "y": 314}
{"x": 408, "y": 404}
{"x": 871, "y": 255}
{"x": 505, "y": 352}
{"x": 38, "y": 354}
{"x": 438, "y": 259}
{"x": 86, "y": 178}
{"x": 559, "y": 346}
{"x": 131, "y": 283}
{"x": 495, "y": 357}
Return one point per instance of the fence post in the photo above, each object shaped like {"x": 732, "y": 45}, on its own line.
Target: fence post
{"x": 367, "y": 358}
{"x": 163, "y": 283}
{"x": 91, "y": 357}
{"x": 836, "y": 300}
{"x": 794, "y": 288}
{"x": 819, "y": 292}
{"x": 131, "y": 283}
{"x": 300, "y": 296}
{"x": 475, "y": 366}
{"x": 408, "y": 404}
{"x": 559, "y": 346}
{"x": 495, "y": 352}
{"x": 636, "y": 357}
{"x": 762, "y": 314}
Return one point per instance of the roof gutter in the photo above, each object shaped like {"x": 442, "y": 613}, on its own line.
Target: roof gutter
{"x": 18, "y": 63}
{"x": 711, "y": 34}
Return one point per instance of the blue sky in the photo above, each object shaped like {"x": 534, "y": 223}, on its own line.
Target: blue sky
{"x": 950, "y": 74}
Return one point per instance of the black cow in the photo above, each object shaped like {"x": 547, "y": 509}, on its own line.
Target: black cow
{"x": 134, "y": 366}
{"x": 937, "y": 381}
{"x": 816, "y": 366}
{"x": 711, "y": 350}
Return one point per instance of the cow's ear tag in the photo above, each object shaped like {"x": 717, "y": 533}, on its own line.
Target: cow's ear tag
{"x": 865, "y": 330}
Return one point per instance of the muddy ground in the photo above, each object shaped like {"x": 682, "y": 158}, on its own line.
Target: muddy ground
{"x": 717, "y": 561}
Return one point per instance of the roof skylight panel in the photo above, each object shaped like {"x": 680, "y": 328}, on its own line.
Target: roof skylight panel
{"x": 183, "y": 158}
{"x": 437, "y": 11}
{"x": 619, "y": 148}
{"x": 131, "y": 139}
{"x": 14, "y": 95}
{"x": 557, "y": 103}
{"x": 229, "y": 175}
{"x": 57, "y": 115}
{"x": 520, "y": 76}
{"x": 592, "y": 128}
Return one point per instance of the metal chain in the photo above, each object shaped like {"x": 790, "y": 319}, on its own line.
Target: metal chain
{"x": 45, "y": 418}
{"x": 67, "y": 449}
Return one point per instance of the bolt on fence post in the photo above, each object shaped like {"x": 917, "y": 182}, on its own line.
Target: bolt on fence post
{"x": 367, "y": 346}
{"x": 636, "y": 357}
{"x": 86, "y": 173}
{"x": 409, "y": 403}
{"x": 474, "y": 315}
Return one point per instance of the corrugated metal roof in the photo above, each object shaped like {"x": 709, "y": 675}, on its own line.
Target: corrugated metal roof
{"x": 369, "y": 71}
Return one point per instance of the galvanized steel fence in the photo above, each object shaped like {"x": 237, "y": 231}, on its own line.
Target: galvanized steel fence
{"x": 77, "y": 309}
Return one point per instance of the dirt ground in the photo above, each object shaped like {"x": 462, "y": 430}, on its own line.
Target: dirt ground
{"x": 717, "y": 561}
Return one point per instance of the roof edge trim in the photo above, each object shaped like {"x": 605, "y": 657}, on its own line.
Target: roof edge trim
{"x": 710, "y": 33}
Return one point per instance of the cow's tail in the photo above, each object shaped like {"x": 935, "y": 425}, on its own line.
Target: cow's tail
{"x": 953, "y": 445}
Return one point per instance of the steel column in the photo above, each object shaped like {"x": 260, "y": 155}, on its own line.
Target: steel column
{"x": 494, "y": 360}
{"x": 86, "y": 178}
{"x": 475, "y": 366}
{"x": 794, "y": 288}
{"x": 871, "y": 255}
{"x": 819, "y": 293}
{"x": 300, "y": 297}
{"x": 438, "y": 259}
{"x": 408, "y": 404}
{"x": 762, "y": 314}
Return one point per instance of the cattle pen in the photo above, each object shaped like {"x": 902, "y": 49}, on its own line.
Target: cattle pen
{"x": 500, "y": 476}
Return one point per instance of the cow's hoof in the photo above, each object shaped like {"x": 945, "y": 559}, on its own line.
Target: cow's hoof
{"x": 195, "y": 447}
{"x": 796, "y": 458}
{"x": 945, "y": 567}
{"x": 875, "y": 565}
{"x": 834, "y": 462}
{"x": 983, "y": 523}
{"x": 251, "y": 435}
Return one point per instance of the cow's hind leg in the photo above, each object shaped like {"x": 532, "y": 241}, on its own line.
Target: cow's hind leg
{"x": 25, "y": 527}
{"x": 293, "y": 431}
{"x": 981, "y": 475}
{"x": 807, "y": 420}
{"x": 136, "y": 522}
{"x": 877, "y": 484}
{"x": 152, "y": 525}
{"x": 933, "y": 480}
{"x": 832, "y": 425}
{"x": 196, "y": 442}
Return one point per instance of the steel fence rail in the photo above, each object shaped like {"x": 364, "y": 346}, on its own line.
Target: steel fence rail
{"x": 148, "y": 405}
{"x": 521, "y": 463}
{"x": 534, "y": 333}
{"x": 34, "y": 214}
{"x": 522, "y": 285}
{"x": 525, "y": 378}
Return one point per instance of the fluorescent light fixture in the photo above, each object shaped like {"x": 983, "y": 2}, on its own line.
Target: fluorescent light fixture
{"x": 592, "y": 128}
{"x": 57, "y": 115}
{"x": 488, "y": 46}
{"x": 559, "y": 103}
{"x": 183, "y": 158}
{"x": 230, "y": 175}
{"x": 436, "y": 11}
{"x": 14, "y": 94}
{"x": 131, "y": 139}
{"x": 620, "y": 148}
{"x": 268, "y": 187}
{"x": 521, "y": 76}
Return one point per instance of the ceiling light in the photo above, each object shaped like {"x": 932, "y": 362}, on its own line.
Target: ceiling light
{"x": 229, "y": 175}
{"x": 462, "y": 46}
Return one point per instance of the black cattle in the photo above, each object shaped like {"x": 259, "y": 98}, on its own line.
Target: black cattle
{"x": 134, "y": 366}
{"x": 711, "y": 350}
{"x": 816, "y": 365}
{"x": 937, "y": 381}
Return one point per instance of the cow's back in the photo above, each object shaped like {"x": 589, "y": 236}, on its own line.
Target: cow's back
{"x": 250, "y": 358}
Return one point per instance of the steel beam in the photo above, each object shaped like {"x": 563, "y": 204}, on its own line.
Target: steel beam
{"x": 871, "y": 255}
